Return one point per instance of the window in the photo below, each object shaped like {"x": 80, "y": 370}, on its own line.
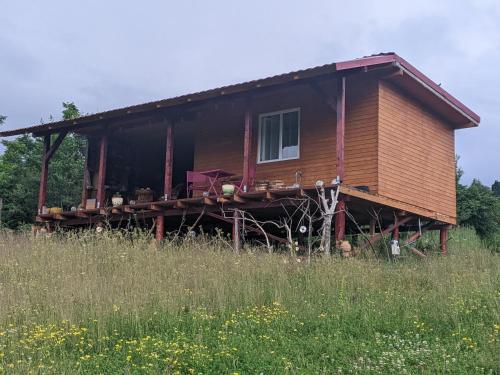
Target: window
{"x": 279, "y": 135}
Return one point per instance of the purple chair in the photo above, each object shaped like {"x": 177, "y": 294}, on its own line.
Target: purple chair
{"x": 195, "y": 181}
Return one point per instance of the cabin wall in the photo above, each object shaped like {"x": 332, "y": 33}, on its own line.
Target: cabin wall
{"x": 316, "y": 140}
{"x": 361, "y": 132}
{"x": 219, "y": 140}
{"x": 416, "y": 153}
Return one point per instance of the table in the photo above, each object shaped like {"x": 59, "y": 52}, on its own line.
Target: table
{"x": 213, "y": 176}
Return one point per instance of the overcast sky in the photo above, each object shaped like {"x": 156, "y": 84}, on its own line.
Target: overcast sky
{"x": 108, "y": 54}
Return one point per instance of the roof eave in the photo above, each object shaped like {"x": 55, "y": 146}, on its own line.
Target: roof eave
{"x": 473, "y": 119}
{"x": 470, "y": 117}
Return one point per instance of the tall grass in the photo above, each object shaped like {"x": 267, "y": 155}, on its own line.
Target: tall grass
{"x": 120, "y": 304}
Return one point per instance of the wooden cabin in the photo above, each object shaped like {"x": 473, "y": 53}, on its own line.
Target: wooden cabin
{"x": 374, "y": 127}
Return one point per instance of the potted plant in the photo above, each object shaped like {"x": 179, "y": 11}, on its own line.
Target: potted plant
{"x": 228, "y": 188}
{"x": 117, "y": 199}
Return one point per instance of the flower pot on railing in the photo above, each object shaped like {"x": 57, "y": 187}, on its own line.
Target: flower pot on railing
{"x": 117, "y": 200}
{"x": 228, "y": 189}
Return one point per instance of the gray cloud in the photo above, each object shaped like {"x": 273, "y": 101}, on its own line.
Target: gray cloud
{"x": 107, "y": 54}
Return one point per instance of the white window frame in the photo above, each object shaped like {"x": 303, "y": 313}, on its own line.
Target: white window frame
{"x": 280, "y": 156}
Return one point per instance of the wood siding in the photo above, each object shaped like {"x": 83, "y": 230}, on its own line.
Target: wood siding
{"x": 416, "y": 153}
{"x": 361, "y": 133}
{"x": 219, "y": 140}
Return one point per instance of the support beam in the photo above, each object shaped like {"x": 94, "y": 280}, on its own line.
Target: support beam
{"x": 415, "y": 236}
{"x": 53, "y": 148}
{"x": 48, "y": 152}
{"x": 340, "y": 140}
{"x": 373, "y": 226}
{"x": 417, "y": 252}
{"x": 443, "y": 239}
{"x": 239, "y": 199}
{"x": 160, "y": 227}
{"x": 103, "y": 155}
{"x": 248, "y": 165}
{"x": 328, "y": 99}
{"x": 395, "y": 231}
{"x": 340, "y": 134}
{"x": 236, "y": 231}
{"x": 250, "y": 228}
{"x": 340, "y": 221}
{"x": 42, "y": 192}
{"x": 169, "y": 160}
{"x": 86, "y": 175}
{"x": 398, "y": 222}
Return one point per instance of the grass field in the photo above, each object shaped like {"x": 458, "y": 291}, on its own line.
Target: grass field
{"x": 112, "y": 304}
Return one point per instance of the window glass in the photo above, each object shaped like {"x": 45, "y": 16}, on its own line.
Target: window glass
{"x": 279, "y": 136}
{"x": 290, "y": 142}
{"x": 270, "y": 138}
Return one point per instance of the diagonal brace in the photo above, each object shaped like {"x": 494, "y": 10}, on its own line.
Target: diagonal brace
{"x": 53, "y": 148}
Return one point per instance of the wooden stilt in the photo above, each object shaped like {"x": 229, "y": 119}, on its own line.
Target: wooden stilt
{"x": 395, "y": 231}
{"x": 169, "y": 159}
{"x": 160, "y": 227}
{"x": 236, "y": 232}
{"x": 443, "y": 240}
{"x": 340, "y": 221}
{"x": 373, "y": 227}
{"x": 42, "y": 192}
{"x": 103, "y": 152}
{"x": 48, "y": 151}
{"x": 247, "y": 147}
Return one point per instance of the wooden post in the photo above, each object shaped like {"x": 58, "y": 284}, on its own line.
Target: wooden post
{"x": 85, "y": 175}
{"x": 48, "y": 151}
{"x": 340, "y": 135}
{"x": 160, "y": 227}
{"x": 247, "y": 149}
{"x": 42, "y": 192}
{"x": 340, "y": 140}
{"x": 169, "y": 160}
{"x": 340, "y": 221}
{"x": 395, "y": 231}
{"x": 443, "y": 239}
{"x": 236, "y": 231}
{"x": 103, "y": 153}
{"x": 373, "y": 227}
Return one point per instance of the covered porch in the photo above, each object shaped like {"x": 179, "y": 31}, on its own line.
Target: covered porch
{"x": 152, "y": 154}
{"x": 149, "y": 149}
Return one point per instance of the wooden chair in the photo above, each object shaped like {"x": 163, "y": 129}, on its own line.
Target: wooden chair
{"x": 195, "y": 181}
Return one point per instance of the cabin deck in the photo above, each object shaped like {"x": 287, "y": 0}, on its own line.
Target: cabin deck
{"x": 358, "y": 202}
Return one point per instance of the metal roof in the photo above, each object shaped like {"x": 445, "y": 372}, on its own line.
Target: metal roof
{"x": 343, "y": 66}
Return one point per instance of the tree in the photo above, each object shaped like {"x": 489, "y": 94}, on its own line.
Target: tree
{"x": 2, "y": 119}
{"x": 70, "y": 111}
{"x": 495, "y": 188}
{"x": 478, "y": 207}
{"x": 20, "y": 174}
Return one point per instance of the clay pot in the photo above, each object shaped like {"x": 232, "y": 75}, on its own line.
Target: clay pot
{"x": 346, "y": 248}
